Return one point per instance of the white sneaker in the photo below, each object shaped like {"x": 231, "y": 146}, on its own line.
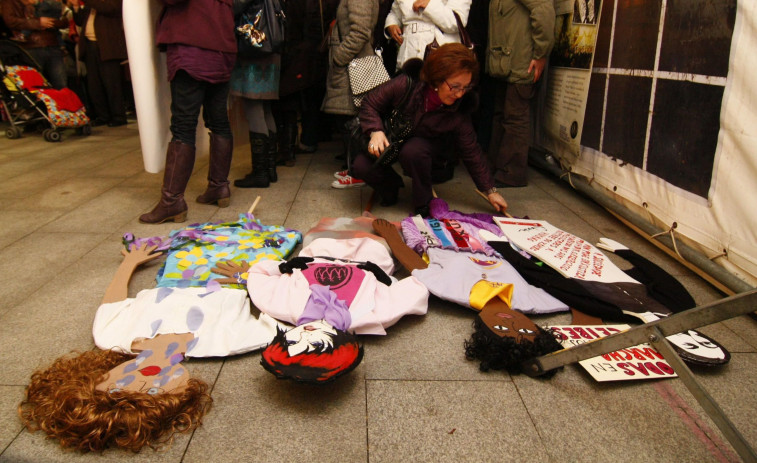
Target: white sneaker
{"x": 347, "y": 182}
{"x": 341, "y": 173}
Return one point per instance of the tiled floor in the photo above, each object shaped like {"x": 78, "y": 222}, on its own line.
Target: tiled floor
{"x": 414, "y": 397}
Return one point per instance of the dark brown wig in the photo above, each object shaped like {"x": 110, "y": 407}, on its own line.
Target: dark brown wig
{"x": 62, "y": 401}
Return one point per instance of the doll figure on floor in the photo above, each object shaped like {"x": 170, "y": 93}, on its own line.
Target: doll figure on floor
{"x": 101, "y": 399}
{"x": 503, "y": 337}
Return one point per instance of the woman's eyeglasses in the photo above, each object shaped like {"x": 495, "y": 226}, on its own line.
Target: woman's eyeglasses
{"x": 457, "y": 88}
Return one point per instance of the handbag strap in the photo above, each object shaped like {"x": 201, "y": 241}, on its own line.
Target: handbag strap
{"x": 464, "y": 37}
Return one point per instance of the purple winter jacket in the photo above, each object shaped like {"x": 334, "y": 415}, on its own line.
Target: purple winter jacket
{"x": 432, "y": 125}
{"x": 205, "y": 24}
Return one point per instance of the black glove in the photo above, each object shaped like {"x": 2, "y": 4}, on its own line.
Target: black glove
{"x": 376, "y": 270}
{"x": 298, "y": 262}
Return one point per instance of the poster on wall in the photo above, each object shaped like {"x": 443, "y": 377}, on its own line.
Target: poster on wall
{"x": 570, "y": 70}
{"x": 632, "y": 363}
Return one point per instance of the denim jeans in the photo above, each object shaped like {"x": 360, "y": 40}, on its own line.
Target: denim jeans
{"x": 50, "y": 60}
{"x": 188, "y": 95}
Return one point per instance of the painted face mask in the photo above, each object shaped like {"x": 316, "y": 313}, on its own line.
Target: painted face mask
{"x": 155, "y": 370}
{"x": 314, "y": 352}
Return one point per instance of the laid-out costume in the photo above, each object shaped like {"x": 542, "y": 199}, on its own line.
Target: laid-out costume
{"x": 583, "y": 276}
{"x": 472, "y": 279}
{"x": 503, "y": 338}
{"x": 220, "y": 320}
{"x": 194, "y": 250}
{"x": 333, "y": 282}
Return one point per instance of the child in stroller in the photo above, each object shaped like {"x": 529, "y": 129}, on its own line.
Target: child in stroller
{"x": 28, "y": 98}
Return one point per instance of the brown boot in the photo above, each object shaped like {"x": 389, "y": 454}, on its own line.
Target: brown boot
{"x": 218, "y": 172}
{"x": 180, "y": 159}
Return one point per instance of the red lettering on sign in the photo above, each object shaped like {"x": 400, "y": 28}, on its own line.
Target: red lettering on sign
{"x": 627, "y": 371}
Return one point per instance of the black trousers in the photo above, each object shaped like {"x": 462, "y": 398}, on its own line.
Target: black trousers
{"x": 104, "y": 85}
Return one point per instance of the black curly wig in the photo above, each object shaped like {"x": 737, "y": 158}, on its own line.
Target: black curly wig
{"x": 507, "y": 353}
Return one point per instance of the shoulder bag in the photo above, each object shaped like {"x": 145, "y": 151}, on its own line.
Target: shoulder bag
{"x": 260, "y": 29}
{"x": 398, "y": 126}
{"x": 464, "y": 37}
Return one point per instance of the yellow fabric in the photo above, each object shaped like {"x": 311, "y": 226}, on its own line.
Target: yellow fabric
{"x": 484, "y": 291}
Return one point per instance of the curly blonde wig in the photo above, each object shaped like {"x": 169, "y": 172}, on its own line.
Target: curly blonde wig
{"x": 62, "y": 402}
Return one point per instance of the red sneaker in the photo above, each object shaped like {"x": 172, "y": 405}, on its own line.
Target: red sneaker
{"x": 341, "y": 173}
{"x": 347, "y": 182}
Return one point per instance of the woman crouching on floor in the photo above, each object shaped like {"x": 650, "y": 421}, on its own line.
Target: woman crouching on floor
{"x": 439, "y": 103}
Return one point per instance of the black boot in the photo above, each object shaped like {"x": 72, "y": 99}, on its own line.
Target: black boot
{"x": 258, "y": 178}
{"x": 287, "y": 143}
{"x": 218, "y": 172}
{"x": 270, "y": 158}
{"x": 180, "y": 159}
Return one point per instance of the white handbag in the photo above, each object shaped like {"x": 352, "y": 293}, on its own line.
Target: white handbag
{"x": 365, "y": 74}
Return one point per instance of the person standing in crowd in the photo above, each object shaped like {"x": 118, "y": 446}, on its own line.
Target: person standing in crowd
{"x": 439, "y": 103}
{"x": 303, "y": 74}
{"x": 40, "y": 37}
{"x": 413, "y": 24}
{"x": 103, "y": 47}
{"x": 198, "y": 37}
{"x": 256, "y": 81}
{"x": 350, "y": 38}
{"x": 521, "y": 35}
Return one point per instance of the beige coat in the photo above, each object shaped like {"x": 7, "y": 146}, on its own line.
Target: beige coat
{"x": 350, "y": 38}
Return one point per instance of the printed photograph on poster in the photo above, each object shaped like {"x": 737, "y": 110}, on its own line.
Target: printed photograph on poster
{"x": 632, "y": 363}
{"x": 586, "y": 12}
{"x": 574, "y": 41}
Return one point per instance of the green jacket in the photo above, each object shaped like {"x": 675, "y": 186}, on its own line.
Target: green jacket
{"x": 519, "y": 31}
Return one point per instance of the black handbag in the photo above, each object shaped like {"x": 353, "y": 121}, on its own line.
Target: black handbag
{"x": 398, "y": 126}
{"x": 260, "y": 29}
{"x": 464, "y": 37}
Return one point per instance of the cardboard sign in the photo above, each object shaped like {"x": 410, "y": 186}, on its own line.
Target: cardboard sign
{"x": 632, "y": 363}
{"x": 570, "y": 255}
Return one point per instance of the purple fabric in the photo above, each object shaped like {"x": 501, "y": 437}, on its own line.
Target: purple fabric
{"x": 471, "y": 224}
{"x": 440, "y": 210}
{"x": 200, "y": 63}
{"x": 323, "y": 304}
{"x": 207, "y": 24}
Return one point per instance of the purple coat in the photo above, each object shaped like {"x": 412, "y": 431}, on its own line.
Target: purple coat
{"x": 205, "y": 24}
{"x": 432, "y": 125}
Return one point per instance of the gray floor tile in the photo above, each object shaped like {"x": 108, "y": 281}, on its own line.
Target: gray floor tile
{"x": 34, "y": 260}
{"x": 450, "y": 421}
{"x": 258, "y": 417}
{"x": 609, "y": 421}
{"x": 10, "y": 424}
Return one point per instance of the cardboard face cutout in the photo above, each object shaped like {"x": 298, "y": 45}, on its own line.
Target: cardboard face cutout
{"x": 156, "y": 369}
{"x": 314, "y": 352}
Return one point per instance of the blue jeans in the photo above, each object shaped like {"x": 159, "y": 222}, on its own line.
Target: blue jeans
{"x": 187, "y": 97}
{"x": 50, "y": 60}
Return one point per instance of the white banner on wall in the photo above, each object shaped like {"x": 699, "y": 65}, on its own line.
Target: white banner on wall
{"x": 669, "y": 128}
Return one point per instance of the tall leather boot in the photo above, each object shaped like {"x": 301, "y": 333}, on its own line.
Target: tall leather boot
{"x": 258, "y": 178}
{"x": 218, "y": 172}
{"x": 270, "y": 157}
{"x": 180, "y": 159}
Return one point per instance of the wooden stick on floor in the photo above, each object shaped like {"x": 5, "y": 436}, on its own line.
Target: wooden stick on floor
{"x": 254, "y": 205}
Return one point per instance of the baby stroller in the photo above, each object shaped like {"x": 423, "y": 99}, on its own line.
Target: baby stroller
{"x": 28, "y": 98}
